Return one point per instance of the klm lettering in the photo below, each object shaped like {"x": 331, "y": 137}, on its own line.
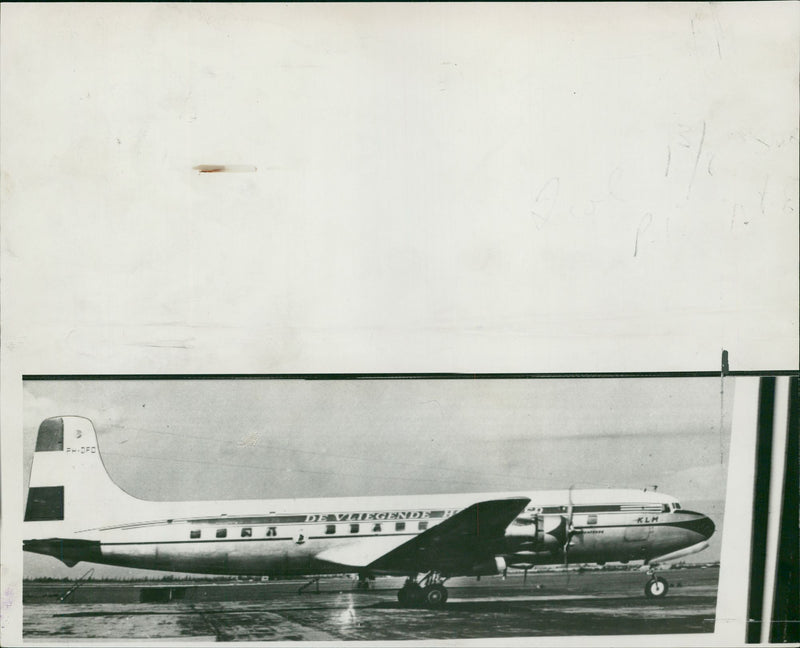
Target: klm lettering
{"x": 646, "y": 519}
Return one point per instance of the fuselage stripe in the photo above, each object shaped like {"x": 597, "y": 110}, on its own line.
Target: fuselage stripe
{"x": 355, "y": 536}
{"x": 331, "y": 518}
{"x": 329, "y": 537}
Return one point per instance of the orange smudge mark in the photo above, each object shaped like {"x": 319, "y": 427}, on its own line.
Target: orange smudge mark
{"x": 220, "y": 168}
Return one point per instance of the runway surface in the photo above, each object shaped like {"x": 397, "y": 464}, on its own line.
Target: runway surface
{"x": 589, "y": 603}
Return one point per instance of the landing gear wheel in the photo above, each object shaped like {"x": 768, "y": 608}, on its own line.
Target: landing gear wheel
{"x": 656, "y": 588}
{"x": 409, "y": 595}
{"x": 435, "y": 595}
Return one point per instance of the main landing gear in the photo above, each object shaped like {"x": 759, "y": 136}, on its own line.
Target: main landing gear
{"x": 428, "y": 592}
{"x": 656, "y": 587}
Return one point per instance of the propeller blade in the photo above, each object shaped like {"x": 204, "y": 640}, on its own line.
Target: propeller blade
{"x": 570, "y": 529}
{"x": 568, "y": 532}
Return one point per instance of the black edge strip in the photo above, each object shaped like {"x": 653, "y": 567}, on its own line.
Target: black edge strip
{"x": 758, "y": 547}
{"x": 410, "y": 376}
{"x": 786, "y": 610}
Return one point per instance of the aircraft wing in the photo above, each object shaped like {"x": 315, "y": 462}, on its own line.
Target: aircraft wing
{"x": 361, "y": 552}
{"x": 457, "y": 544}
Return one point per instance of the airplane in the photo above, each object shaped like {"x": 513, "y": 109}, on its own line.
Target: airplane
{"x": 75, "y": 512}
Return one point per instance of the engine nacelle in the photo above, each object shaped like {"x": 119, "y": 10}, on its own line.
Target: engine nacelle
{"x": 537, "y": 533}
{"x": 496, "y": 565}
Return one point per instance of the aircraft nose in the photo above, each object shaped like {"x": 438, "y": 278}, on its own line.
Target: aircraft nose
{"x": 703, "y": 525}
{"x": 707, "y": 527}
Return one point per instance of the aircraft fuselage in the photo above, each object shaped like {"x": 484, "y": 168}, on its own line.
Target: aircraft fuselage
{"x": 272, "y": 539}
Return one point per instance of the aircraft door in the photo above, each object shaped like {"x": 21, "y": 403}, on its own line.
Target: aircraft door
{"x": 638, "y": 533}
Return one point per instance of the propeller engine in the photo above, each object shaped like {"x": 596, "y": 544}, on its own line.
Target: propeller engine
{"x": 569, "y": 531}
{"x": 535, "y": 537}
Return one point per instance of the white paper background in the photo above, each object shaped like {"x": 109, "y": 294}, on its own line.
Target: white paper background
{"x": 438, "y": 188}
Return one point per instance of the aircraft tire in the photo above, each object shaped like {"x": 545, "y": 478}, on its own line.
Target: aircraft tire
{"x": 402, "y": 597}
{"x": 409, "y": 595}
{"x": 656, "y": 588}
{"x": 435, "y": 595}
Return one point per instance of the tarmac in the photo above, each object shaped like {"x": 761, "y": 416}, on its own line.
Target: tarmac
{"x": 545, "y": 604}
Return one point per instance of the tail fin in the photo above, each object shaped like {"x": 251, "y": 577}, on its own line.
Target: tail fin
{"x": 68, "y": 479}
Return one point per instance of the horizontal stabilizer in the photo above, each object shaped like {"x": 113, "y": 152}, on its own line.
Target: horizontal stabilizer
{"x": 68, "y": 551}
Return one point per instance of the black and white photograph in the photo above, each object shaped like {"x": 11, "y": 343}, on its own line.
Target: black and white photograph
{"x": 375, "y": 322}
{"x": 373, "y": 509}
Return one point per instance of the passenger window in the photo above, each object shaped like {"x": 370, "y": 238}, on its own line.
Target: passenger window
{"x": 354, "y": 528}
{"x": 330, "y": 529}
{"x": 222, "y": 533}
{"x": 194, "y": 533}
{"x": 423, "y": 526}
{"x": 376, "y": 528}
{"x": 247, "y": 532}
{"x": 271, "y": 531}
{"x": 592, "y": 519}
{"x": 399, "y": 526}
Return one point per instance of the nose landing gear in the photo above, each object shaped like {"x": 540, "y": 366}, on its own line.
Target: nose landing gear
{"x": 428, "y": 592}
{"x": 656, "y": 587}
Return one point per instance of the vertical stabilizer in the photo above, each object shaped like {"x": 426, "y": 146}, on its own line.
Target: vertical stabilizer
{"x": 69, "y": 482}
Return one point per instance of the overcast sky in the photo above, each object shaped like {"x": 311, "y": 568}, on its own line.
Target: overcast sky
{"x": 233, "y": 439}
